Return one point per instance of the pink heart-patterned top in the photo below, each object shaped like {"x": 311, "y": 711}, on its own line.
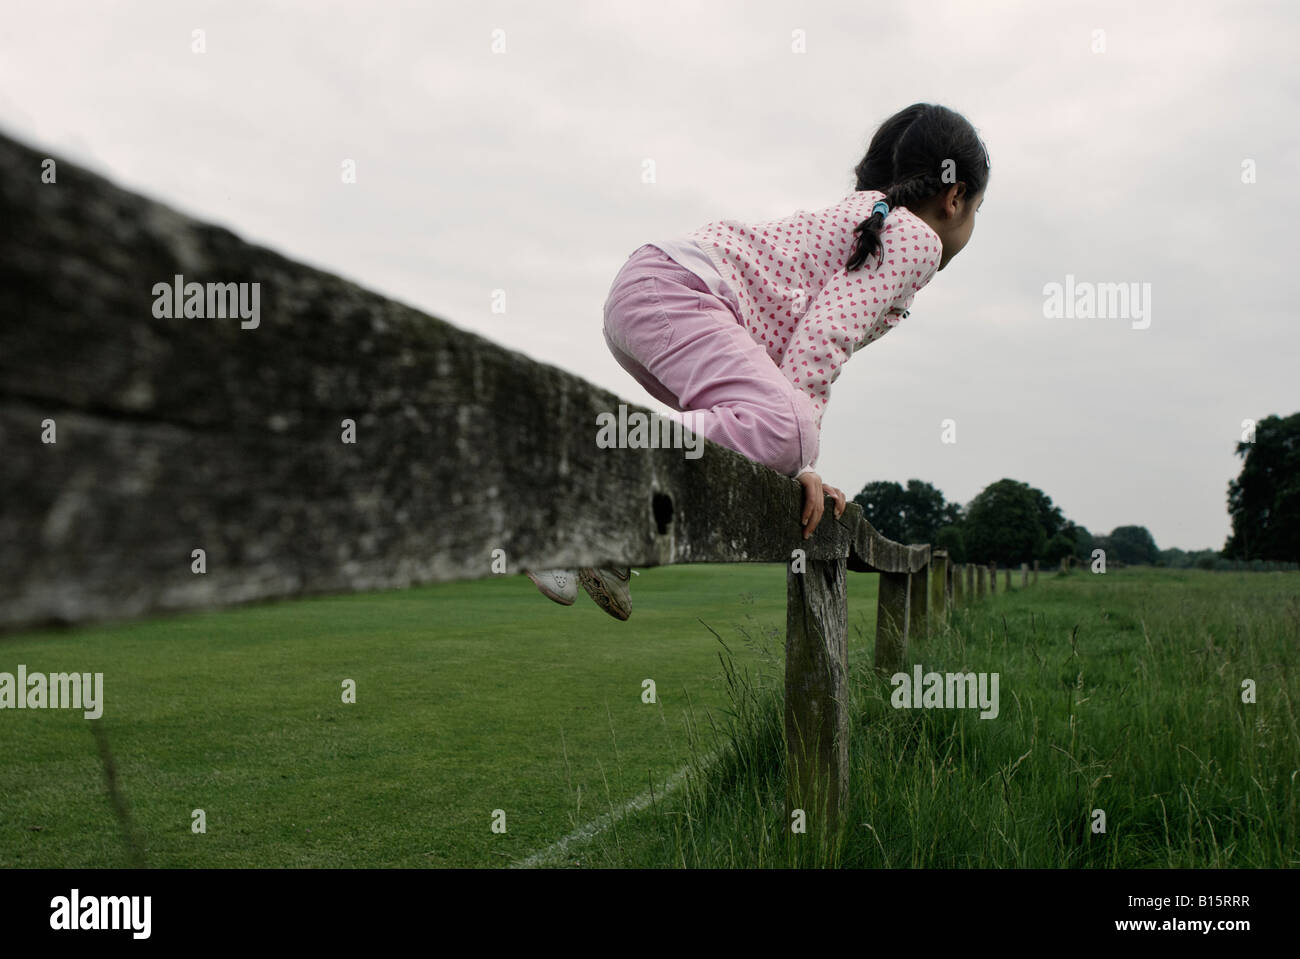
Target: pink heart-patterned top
{"x": 795, "y": 295}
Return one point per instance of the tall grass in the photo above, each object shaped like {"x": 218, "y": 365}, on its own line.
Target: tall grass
{"x": 1120, "y": 693}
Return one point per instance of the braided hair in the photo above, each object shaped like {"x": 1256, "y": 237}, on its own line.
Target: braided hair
{"x": 906, "y": 161}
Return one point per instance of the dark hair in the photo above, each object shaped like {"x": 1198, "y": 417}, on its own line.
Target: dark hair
{"x": 906, "y": 162}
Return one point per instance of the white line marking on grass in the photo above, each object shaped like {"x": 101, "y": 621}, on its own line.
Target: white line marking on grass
{"x": 556, "y": 849}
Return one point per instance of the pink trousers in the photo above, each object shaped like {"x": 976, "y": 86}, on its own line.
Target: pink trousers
{"x": 690, "y": 349}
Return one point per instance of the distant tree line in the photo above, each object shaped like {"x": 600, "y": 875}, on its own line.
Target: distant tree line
{"x": 1214, "y": 560}
{"x": 1010, "y": 522}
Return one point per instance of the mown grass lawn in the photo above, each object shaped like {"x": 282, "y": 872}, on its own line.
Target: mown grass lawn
{"x": 471, "y": 697}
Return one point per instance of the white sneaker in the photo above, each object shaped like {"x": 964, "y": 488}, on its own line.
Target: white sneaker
{"x": 557, "y": 585}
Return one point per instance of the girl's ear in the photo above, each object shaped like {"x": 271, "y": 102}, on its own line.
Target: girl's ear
{"x": 954, "y": 195}
{"x": 947, "y": 199}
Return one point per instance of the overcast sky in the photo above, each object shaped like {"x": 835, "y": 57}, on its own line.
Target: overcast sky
{"x": 1117, "y": 158}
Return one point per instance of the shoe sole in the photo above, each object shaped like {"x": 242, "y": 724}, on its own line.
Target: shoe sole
{"x": 602, "y": 598}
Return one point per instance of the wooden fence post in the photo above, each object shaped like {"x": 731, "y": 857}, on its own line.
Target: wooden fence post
{"x": 981, "y": 581}
{"x": 959, "y": 585}
{"x": 1065, "y": 564}
{"x": 918, "y": 616}
{"x": 970, "y": 583}
{"x": 993, "y": 578}
{"x": 1024, "y": 575}
{"x": 892, "y": 610}
{"x": 816, "y": 690}
{"x": 938, "y": 585}
{"x": 1035, "y": 572}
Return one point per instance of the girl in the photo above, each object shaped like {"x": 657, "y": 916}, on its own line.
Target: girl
{"x": 742, "y": 328}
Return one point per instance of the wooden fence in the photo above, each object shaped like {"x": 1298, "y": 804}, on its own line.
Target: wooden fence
{"x": 165, "y": 450}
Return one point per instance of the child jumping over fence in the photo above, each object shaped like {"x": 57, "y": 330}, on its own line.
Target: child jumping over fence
{"x": 742, "y": 328}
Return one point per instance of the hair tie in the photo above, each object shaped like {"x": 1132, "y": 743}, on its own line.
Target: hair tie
{"x": 881, "y": 207}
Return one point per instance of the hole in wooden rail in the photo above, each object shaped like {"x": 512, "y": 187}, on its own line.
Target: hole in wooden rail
{"x": 662, "y": 505}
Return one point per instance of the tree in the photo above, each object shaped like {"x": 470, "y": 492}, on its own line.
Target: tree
{"x": 1049, "y": 515}
{"x": 914, "y": 515}
{"x": 926, "y": 512}
{"x": 1132, "y": 544}
{"x": 1058, "y": 547}
{"x": 1104, "y": 544}
{"x": 1264, "y": 500}
{"x": 1084, "y": 544}
{"x": 1004, "y": 523}
{"x": 950, "y": 538}
{"x": 883, "y": 505}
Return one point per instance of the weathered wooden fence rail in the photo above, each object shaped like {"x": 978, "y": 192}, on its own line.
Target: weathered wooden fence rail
{"x": 165, "y": 451}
